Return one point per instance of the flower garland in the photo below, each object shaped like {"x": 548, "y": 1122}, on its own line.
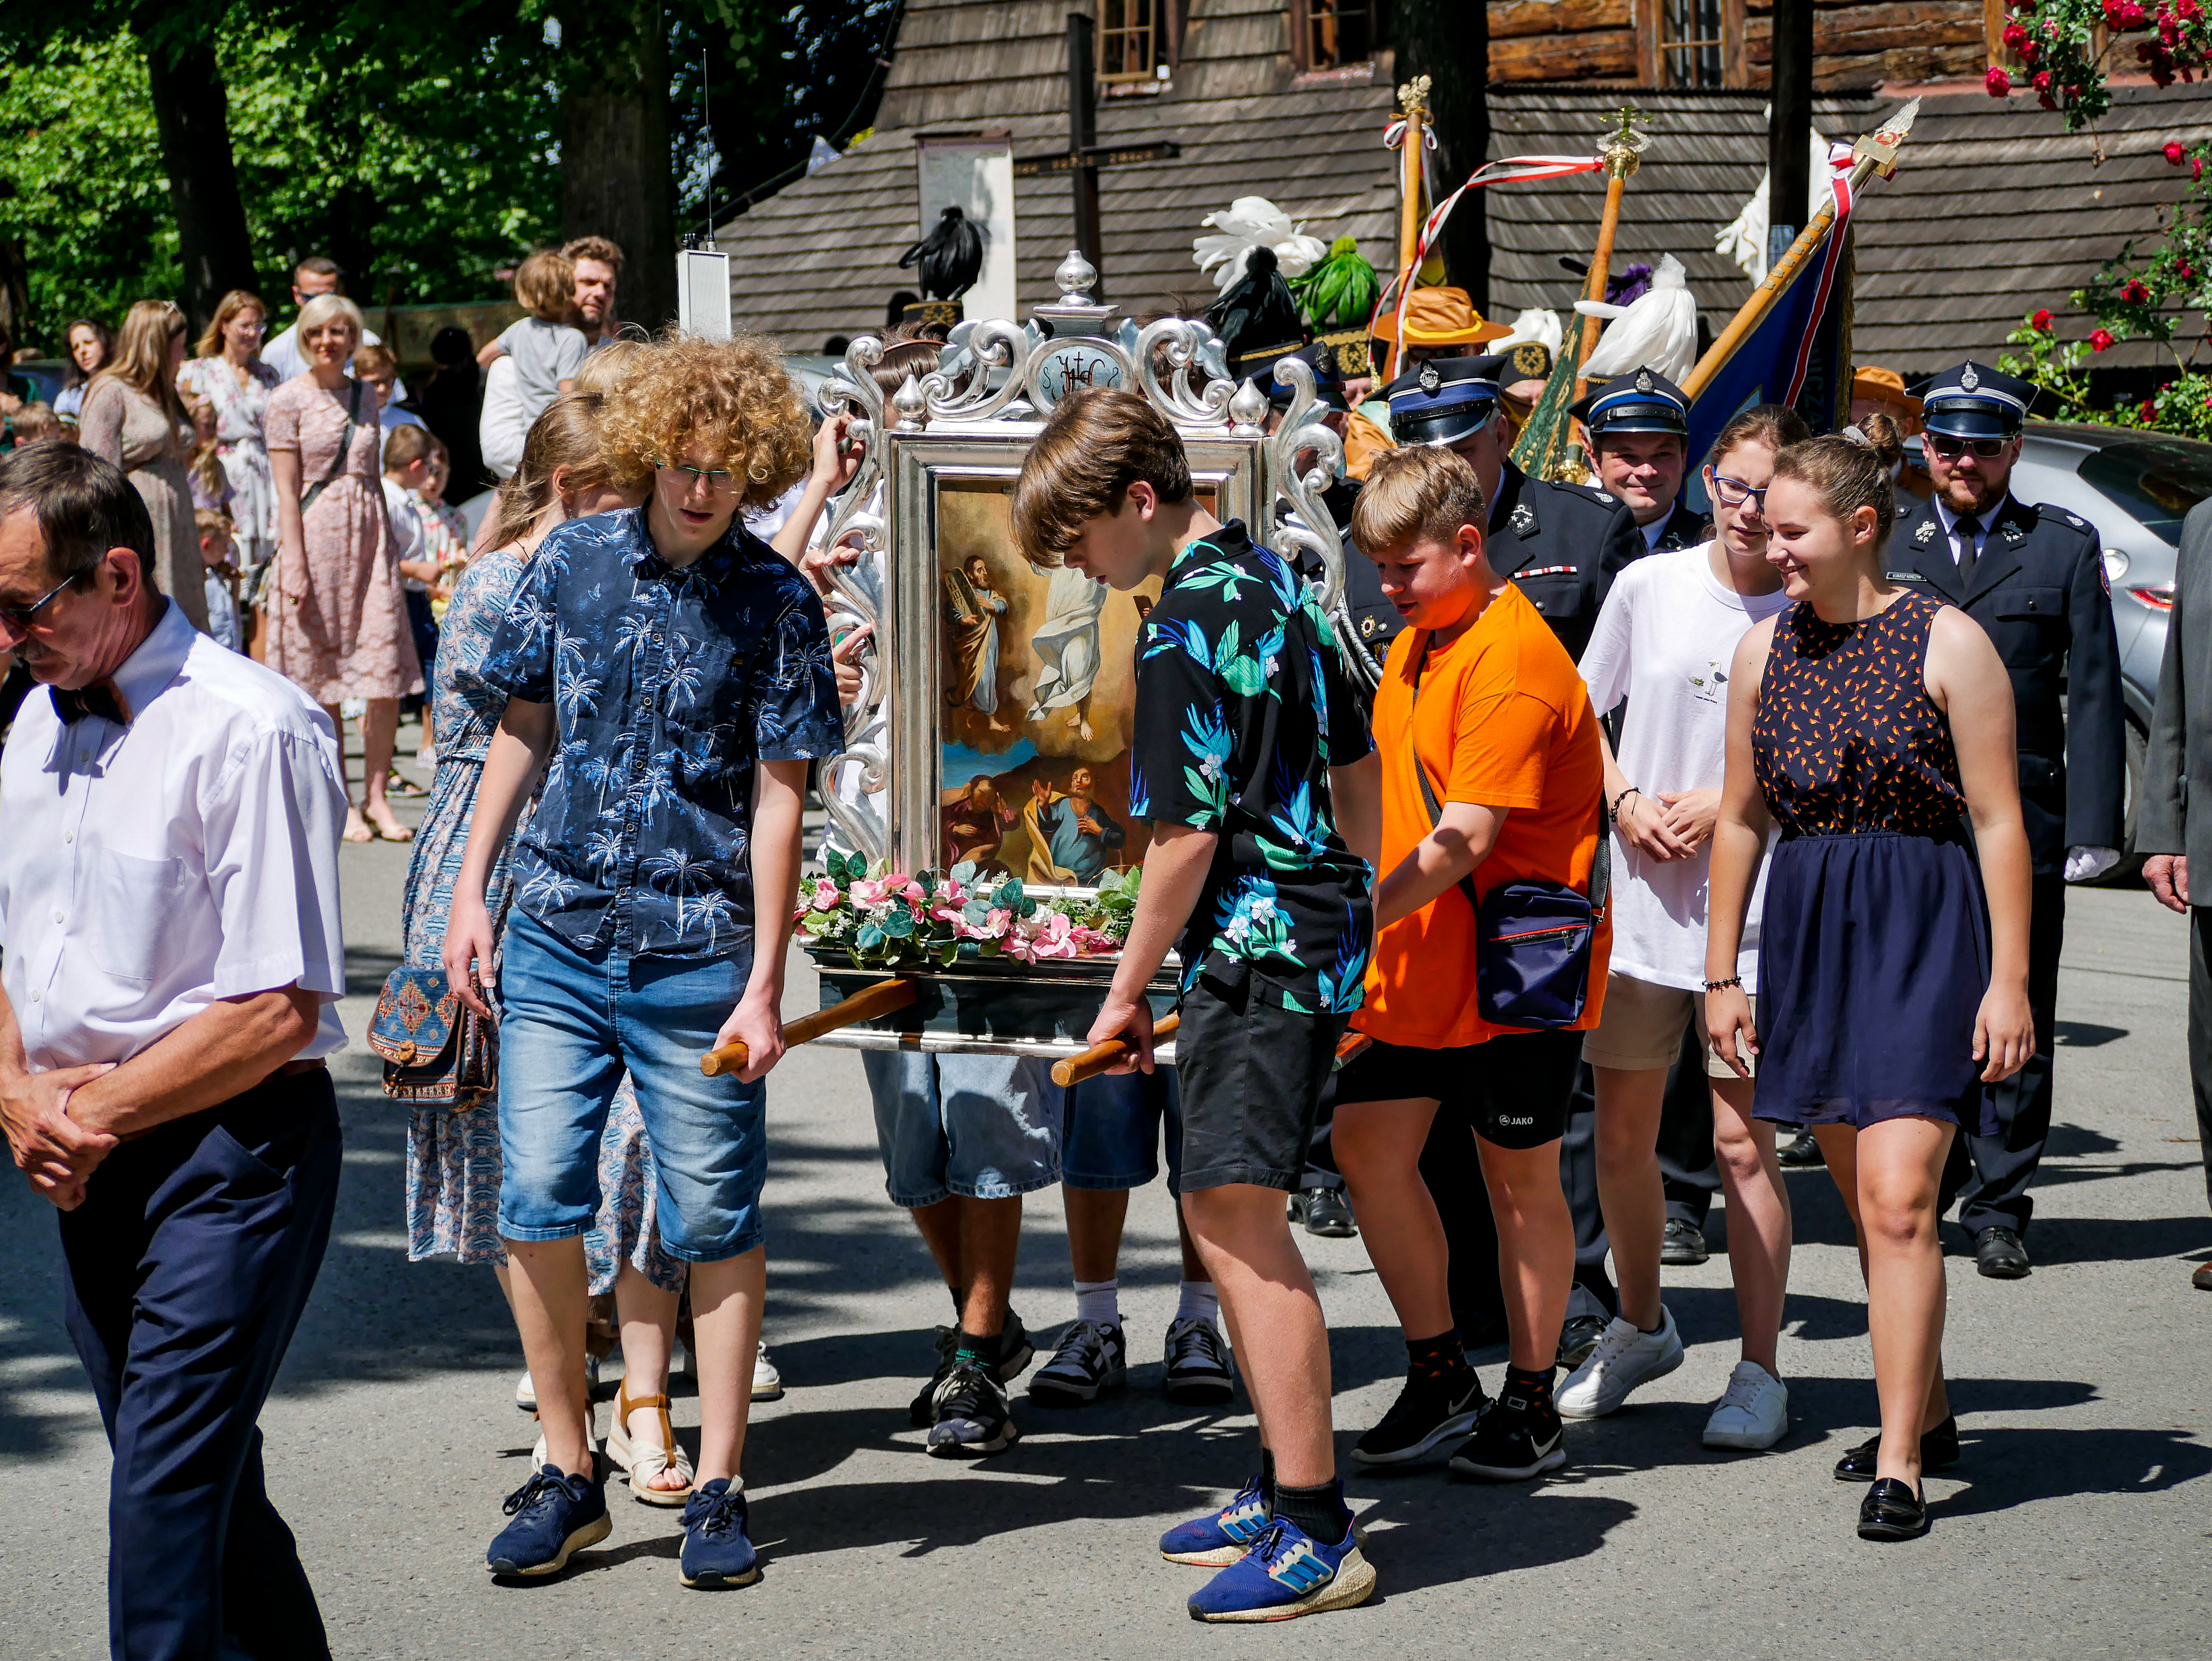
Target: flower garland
{"x": 882, "y": 919}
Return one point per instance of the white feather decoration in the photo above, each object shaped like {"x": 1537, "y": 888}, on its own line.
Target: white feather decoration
{"x": 1249, "y": 223}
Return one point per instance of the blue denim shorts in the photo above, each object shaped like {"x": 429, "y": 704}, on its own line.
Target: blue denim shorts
{"x": 983, "y": 1127}
{"x": 574, "y": 1020}
{"x": 1114, "y": 1126}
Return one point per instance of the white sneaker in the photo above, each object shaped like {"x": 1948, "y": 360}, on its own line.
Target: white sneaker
{"x": 525, "y": 1392}
{"x": 1625, "y": 1358}
{"x": 1753, "y": 1411}
{"x": 591, "y": 1436}
{"x": 679, "y": 1360}
{"x": 768, "y": 1382}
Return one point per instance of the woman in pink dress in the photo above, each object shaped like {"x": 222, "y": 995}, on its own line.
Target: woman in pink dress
{"x": 337, "y": 617}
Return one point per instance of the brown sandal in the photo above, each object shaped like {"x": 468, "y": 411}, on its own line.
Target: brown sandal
{"x": 643, "y": 1462}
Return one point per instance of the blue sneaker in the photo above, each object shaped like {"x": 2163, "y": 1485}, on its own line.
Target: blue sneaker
{"x": 1287, "y": 1573}
{"x": 1215, "y": 1541}
{"x": 716, "y": 1551}
{"x": 554, "y": 1516}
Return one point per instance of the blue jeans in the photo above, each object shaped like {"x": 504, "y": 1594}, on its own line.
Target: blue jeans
{"x": 1112, "y": 1138}
{"x": 983, "y": 1127}
{"x": 574, "y": 1020}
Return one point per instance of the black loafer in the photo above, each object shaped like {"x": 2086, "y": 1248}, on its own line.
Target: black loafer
{"x": 1999, "y": 1254}
{"x": 1683, "y": 1245}
{"x": 1803, "y": 1154}
{"x": 1328, "y": 1214}
{"x": 1939, "y": 1451}
{"x": 1891, "y": 1511}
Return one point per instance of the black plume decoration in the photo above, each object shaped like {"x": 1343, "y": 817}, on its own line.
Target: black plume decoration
{"x": 951, "y": 257}
{"x": 1257, "y": 311}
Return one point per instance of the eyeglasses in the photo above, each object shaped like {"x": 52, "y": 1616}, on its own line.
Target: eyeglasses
{"x": 1736, "y": 492}
{"x": 714, "y": 479}
{"x": 20, "y": 617}
{"x": 1952, "y": 448}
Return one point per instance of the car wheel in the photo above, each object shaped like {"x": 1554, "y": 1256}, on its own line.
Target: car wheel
{"x": 2128, "y": 871}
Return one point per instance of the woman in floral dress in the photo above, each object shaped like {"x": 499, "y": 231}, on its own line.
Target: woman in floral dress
{"x": 228, "y": 372}
{"x": 453, "y": 1162}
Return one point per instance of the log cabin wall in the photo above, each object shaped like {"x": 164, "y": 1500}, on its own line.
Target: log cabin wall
{"x": 1857, "y": 45}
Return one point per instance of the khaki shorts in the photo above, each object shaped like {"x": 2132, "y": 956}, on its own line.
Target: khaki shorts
{"x": 1642, "y": 1025}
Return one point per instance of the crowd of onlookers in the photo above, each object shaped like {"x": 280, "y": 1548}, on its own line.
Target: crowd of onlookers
{"x": 301, "y": 495}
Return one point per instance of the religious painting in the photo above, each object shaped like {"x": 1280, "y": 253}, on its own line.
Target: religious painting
{"x": 1038, "y": 683}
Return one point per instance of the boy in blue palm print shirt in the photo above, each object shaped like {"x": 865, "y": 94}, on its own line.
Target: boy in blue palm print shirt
{"x": 1249, "y": 747}
{"x": 668, "y": 674}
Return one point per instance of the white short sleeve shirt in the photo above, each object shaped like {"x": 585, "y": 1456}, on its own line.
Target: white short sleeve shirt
{"x": 148, "y": 870}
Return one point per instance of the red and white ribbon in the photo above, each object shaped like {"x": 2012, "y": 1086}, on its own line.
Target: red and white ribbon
{"x": 1832, "y": 259}
{"x": 1506, "y": 170}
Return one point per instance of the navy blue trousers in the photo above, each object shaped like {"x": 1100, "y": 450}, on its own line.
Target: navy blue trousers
{"x": 189, "y": 1263}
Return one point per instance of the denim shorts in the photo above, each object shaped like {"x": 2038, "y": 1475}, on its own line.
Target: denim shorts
{"x": 574, "y": 1020}
{"x": 1114, "y": 1124}
{"x": 982, "y": 1127}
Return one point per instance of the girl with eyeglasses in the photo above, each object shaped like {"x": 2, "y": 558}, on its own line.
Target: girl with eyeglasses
{"x": 1664, "y": 642}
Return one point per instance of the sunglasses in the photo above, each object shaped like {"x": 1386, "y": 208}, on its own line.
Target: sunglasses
{"x": 1736, "y": 492}
{"x": 20, "y": 617}
{"x": 1952, "y": 448}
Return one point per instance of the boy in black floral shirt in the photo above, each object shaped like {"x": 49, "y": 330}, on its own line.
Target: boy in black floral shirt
{"x": 1249, "y": 737}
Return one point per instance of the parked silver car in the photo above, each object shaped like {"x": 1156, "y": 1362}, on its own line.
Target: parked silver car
{"x": 2136, "y": 488}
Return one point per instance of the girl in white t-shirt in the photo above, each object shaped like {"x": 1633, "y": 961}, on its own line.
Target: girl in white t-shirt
{"x": 1663, "y": 642}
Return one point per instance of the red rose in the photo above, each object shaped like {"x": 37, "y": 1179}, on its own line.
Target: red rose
{"x": 2188, "y": 10}
{"x": 2183, "y": 269}
{"x": 2174, "y": 152}
{"x": 2041, "y": 81}
{"x": 2102, "y": 338}
{"x": 2134, "y": 292}
{"x": 2196, "y": 169}
{"x": 1997, "y": 83}
{"x": 2147, "y": 411}
{"x": 2041, "y": 321}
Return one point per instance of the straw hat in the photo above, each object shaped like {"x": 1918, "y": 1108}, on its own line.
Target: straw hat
{"x": 1883, "y": 387}
{"x": 1439, "y": 317}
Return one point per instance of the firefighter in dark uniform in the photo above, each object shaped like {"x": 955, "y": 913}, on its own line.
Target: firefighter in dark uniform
{"x": 1562, "y": 544}
{"x": 1638, "y": 432}
{"x": 1638, "y": 428}
{"x": 2033, "y": 577}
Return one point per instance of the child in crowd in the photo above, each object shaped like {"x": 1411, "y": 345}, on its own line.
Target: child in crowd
{"x": 1492, "y": 772}
{"x": 375, "y": 363}
{"x": 34, "y": 424}
{"x": 211, "y": 486}
{"x": 1247, "y": 738}
{"x": 409, "y": 458}
{"x": 216, "y": 543}
{"x": 666, "y": 656}
{"x": 546, "y": 350}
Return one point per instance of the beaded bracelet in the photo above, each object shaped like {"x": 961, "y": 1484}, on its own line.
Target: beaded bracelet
{"x": 1613, "y": 812}
{"x": 1718, "y": 986}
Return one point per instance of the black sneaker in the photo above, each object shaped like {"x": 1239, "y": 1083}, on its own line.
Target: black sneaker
{"x": 1426, "y": 1416}
{"x": 1092, "y": 1357}
{"x": 1803, "y": 1154}
{"x": 972, "y": 1418}
{"x": 1328, "y": 1214}
{"x": 1577, "y": 1338}
{"x": 1683, "y": 1243}
{"x": 1016, "y": 1352}
{"x": 1514, "y": 1439}
{"x": 1198, "y": 1374}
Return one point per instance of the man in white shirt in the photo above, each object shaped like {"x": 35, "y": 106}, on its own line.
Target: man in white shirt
{"x": 316, "y": 274}
{"x": 169, "y": 916}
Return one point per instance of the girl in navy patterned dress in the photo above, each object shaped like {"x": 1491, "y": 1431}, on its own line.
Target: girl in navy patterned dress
{"x": 1871, "y": 723}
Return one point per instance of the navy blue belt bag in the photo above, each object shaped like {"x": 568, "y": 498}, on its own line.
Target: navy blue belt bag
{"x": 1532, "y": 940}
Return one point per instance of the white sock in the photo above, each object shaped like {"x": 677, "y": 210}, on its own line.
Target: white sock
{"x": 1200, "y": 1302}
{"x": 1099, "y": 1301}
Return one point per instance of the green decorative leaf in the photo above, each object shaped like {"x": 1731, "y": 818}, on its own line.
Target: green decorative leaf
{"x": 964, "y": 872}
{"x": 870, "y": 938}
{"x": 899, "y": 924}
{"x": 818, "y": 922}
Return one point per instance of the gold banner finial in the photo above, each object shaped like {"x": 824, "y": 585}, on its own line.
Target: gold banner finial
{"x": 1625, "y": 144}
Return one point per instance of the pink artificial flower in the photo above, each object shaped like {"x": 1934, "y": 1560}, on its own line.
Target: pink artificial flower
{"x": 866, "y": 894}
{"x": 824, "y": 897}
{"x": 2100, "y": 339}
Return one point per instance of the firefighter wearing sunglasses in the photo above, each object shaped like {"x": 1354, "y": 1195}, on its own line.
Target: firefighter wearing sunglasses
{"x": 2033, "y": 577}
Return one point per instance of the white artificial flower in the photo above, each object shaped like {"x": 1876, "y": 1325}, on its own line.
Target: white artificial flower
{"x": 1249, "y": 223}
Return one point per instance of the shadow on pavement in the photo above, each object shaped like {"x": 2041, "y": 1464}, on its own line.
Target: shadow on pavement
{"x": 2005, "y": 1468}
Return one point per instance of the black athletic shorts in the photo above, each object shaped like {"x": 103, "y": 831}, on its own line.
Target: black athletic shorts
{"x": 1251, "y": 1073}
{"x": 1514, "y": 1091}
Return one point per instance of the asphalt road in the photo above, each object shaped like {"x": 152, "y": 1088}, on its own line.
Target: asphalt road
{"x": 2075, "y": 1526}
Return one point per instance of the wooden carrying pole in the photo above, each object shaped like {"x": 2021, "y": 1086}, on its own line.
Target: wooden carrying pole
{"x": 1870, "y": 155}
{"x": 1413, "y": 101}
{"x": 1621, "y": 147}
{"x": 866, "y": 1004}
{"x": 1101, "y": 1056}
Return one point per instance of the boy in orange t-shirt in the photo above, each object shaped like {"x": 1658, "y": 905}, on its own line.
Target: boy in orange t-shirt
{"x": 1480, "y": 693}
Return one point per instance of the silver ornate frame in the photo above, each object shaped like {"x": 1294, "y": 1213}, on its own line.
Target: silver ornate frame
{"x": 972, "y": 419}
